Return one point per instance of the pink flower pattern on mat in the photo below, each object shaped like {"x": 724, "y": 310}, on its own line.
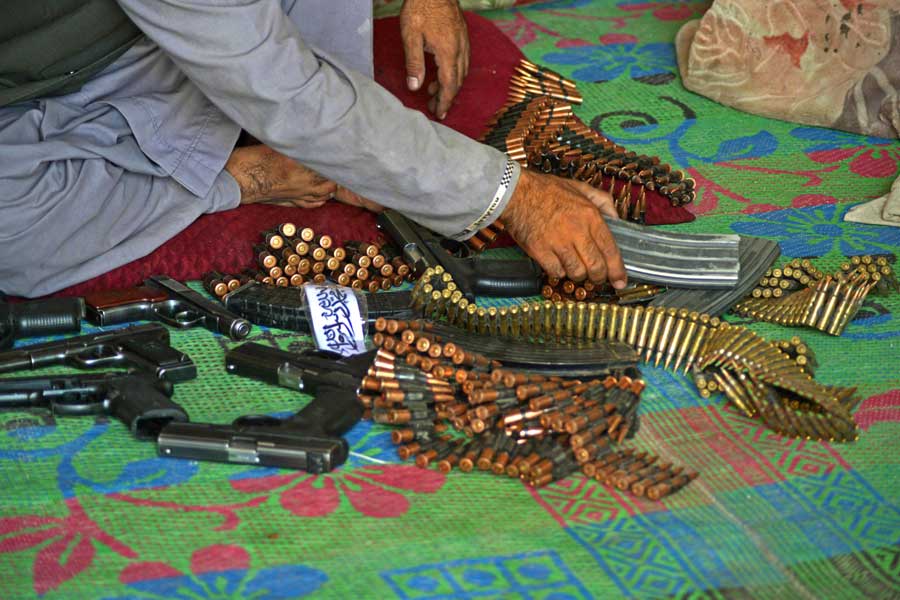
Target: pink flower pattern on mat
{"x": 865, "y": 162}
{"x": 878, "y": 158}
{"x": 666, "y": 11}
{"x": 883, "y": 408}
{"x": 71, "y": 544}
{"x": 373, "y": 491}
{"x": 522, "y": 30}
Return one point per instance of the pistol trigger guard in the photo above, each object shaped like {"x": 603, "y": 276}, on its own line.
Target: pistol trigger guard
{"x": 454, "y": 248}
{"x": 100, "y": 355}
{"x": 80, "y": 409}
{"x": 171, "y": 314}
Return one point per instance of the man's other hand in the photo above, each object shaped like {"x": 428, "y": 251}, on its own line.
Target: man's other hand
{"x": 437, "y": 27}
{"x": 265, "y": 175}
{"x": 353, "y": 199}
{"x": 560, "y": 223}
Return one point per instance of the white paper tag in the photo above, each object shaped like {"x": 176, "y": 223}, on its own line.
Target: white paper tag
{"x": 336, "y": 321}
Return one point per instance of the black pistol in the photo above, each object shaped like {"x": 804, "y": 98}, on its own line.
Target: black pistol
{"x": 164, "y": 299}
{"x": 140, "y": 401}
{"x": 310, "y": 440}
{"x": 473, "y": 276}
{"x": 144, "y": 347}
{"x": 38, "y": 317}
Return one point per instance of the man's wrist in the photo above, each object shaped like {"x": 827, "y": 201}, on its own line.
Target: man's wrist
{"x": 507, "y": 184}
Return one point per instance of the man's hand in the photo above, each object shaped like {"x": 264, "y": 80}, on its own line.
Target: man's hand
{"x": 559, "y": 223}
{"x": 437, "y": 27}
{"x": 265, "y": 175}
{"x": 353, "y": 199}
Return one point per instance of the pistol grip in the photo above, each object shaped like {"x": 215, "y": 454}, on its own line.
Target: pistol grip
{"x": 507, "y": 278}
{"x": 332, "y": 411}
{"x": 39, "y": 317}
{"x": 143, "y": 407}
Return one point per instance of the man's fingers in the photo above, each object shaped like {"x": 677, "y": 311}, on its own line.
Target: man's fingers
{"x": 593, "y": 259}
{"x": 299, "y": 203}
{"x": 352, "y": 198}
{"x": 323, "y": 190}
{"x": 460, "y": 69}
{"x": 414, "y": 49}
{"x": 433, "y": 88}
{"x": 602, "y": 200}
{"x": 448, "y": 77}
{"x": 571, "y": 263}
{"x": 549, "y": 263}
{"x": 615, "y": 267}
{"x": 466, "y": 54}
{"x": 312, "y": 204}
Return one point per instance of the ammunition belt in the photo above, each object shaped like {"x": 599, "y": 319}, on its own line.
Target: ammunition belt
{"x": 758, "y": 377}
{"x": 800, "y": 294}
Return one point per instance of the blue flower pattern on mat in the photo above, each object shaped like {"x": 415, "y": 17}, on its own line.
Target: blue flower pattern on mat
{"x": 368, "y": 442}
{"x": 819, "y": 230}
{"x": 138, "y": 474}
{"x": 540, "y": 574}
{"x": 605, "y": 62}
{"x": 291, "y": 581}
{"x": 670, "y": 123}
{"x": 830, "y": 139}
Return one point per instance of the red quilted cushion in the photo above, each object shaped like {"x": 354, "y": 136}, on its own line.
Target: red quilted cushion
{"x": 223, "y": 241}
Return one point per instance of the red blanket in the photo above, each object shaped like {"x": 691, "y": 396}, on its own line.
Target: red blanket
{"x": 223, "y": 241}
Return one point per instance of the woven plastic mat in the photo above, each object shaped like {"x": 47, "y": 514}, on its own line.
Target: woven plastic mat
{"x": 88, "y": 512}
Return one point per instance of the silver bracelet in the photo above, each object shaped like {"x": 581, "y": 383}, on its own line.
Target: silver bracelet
{"x": 505, "y": 180}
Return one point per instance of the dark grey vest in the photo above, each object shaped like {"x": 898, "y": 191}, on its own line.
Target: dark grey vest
{"x": 51, "y": 47}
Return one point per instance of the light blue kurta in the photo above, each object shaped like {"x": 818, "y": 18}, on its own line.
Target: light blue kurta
{"x": 97, "y": 178}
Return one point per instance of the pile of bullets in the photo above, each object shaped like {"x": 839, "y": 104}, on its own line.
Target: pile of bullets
{"x": 761, "y": 379}
{"x": 533, "y": 80}
{"x": 537, "y": 128}
{"x": 288, "y": 256}
{"x": 563, "y": 290}
{"x": 800, "y": 294}
{"x": 536, "y": 428}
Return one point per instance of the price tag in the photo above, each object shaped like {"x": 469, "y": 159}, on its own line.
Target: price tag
{"x": 336, "y": 319}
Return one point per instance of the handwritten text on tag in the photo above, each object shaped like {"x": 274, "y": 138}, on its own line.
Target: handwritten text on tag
{"x": 336, "y": 319}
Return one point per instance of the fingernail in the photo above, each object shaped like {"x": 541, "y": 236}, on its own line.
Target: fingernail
{"x": 412, "y": 83}
{"x": 619, "y": 284}
{"x": 442, "y": 116}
